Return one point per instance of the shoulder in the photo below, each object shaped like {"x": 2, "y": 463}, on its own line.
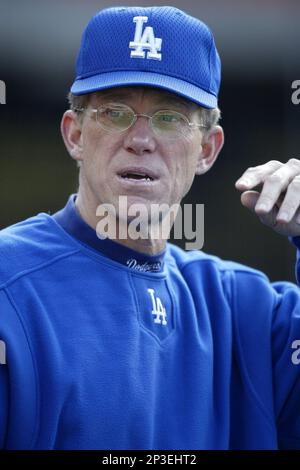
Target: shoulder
{"x": 248, "y": 291}
{"x": 243, "y": 287}
{"x": 30, "y": 244}
{"x": 198, "y": 260}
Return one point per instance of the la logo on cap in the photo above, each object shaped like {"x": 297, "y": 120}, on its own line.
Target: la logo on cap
{"x": 144, "y": 40}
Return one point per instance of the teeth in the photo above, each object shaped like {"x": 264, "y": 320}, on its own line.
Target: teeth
{"x": 137, "y": 176}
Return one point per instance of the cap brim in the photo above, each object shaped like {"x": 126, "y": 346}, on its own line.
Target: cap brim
{"x": 131, "y": 78}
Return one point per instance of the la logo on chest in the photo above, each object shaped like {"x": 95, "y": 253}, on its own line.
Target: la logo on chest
{"x": 144, "y": 40}
{"x": 158, "y": 310}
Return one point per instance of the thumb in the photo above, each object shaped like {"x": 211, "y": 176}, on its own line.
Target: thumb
{"x": 249, "y": 199}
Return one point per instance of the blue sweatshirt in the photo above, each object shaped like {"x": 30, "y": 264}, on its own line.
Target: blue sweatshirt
{"x": 105, "y": 348}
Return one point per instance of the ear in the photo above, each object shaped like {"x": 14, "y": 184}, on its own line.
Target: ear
{"x": 212, "y": 143}
{"x": 71, "y": 130}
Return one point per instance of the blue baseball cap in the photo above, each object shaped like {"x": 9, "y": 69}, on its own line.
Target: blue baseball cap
{"x": 160, "y": 47}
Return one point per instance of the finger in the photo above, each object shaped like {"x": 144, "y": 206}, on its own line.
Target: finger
{"x": 291, "y": 202}
{"x": 274, "y": 185}
{"x": 269, "y": 219}
{"x": 256, "y": 175}
{"x": 249, "y": 200}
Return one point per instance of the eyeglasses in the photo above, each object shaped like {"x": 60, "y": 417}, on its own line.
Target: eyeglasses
{"x": 118, "y": 118}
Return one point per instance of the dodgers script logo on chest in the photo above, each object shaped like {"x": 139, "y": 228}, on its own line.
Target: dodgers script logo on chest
{"x": 144, "y": 41}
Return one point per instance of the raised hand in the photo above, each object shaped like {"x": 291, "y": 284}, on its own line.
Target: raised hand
{"x": 277, "y": 203}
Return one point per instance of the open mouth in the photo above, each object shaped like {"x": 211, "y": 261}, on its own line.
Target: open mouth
{"x": 135, "y": 175}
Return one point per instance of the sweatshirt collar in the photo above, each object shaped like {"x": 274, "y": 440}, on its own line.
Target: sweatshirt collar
{"x": 71, "y": 221}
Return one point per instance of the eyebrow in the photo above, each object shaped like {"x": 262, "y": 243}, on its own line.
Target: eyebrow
{"x": 174, "y": 101}
{"x": 115, "y": 95}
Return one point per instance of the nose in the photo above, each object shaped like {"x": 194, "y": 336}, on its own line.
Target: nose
{"x": 139, "y": 139}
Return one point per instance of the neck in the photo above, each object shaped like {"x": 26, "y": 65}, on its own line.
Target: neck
{"x": 115, "y": 229}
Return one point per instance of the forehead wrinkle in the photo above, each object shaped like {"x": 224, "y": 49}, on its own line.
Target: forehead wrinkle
{"x": 161, "y": 97}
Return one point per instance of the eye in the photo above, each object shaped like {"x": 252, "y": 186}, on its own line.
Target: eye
{"x": 115, "y": 117}
{"x": 115, "y": 114}
{"x": 168, "y": 118}
{"x": 168, "y": 121}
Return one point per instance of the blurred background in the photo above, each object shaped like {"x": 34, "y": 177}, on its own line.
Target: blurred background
{"x": 259, "y": 43}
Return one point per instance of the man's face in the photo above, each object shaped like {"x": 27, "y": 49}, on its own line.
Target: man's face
{"x": 107, "y": 157}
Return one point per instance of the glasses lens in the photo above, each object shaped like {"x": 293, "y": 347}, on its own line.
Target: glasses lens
{"x": 115, "y": 118}
{"x": 170, "y": 124}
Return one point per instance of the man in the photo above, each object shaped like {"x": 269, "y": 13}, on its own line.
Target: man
{"x": 125, "y": 342}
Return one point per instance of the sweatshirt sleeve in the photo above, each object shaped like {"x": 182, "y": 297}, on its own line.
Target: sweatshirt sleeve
{"x": 296, "y": 242}
{"x": 18, "y": 391}
{"x": 266, "y": 319}
{"x": 286, "y": 350}
{"x": 3, "y": 403}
